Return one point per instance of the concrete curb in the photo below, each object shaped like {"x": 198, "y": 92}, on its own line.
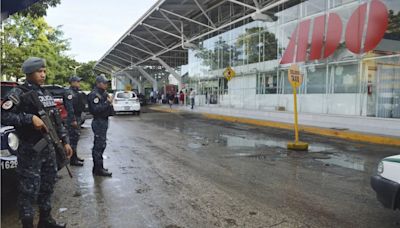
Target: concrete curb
{"x": 343, "y": 134}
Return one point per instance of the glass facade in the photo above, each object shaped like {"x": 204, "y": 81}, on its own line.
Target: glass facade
{"x": 365, "y": 84}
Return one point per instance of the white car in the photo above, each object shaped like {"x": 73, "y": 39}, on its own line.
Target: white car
{"x": 126, "y": 101}
{"x": 387, "y": 182}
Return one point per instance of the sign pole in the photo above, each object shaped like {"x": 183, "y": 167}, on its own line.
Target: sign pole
{"x": 296, "y": 123}
{"x": 296, "y": 79}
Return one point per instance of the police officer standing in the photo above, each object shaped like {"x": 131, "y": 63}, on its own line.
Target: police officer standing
{"x": 74, "y": 105}
{"x": 101, "y": 108}
{"x": 36, "y": 170}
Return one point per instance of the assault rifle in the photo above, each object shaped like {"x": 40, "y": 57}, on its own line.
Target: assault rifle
{"x": 50, "y": 138}
{"x": 54, "y": 142}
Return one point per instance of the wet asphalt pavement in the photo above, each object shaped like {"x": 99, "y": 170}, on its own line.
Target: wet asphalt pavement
{"x": 182, "y": 170}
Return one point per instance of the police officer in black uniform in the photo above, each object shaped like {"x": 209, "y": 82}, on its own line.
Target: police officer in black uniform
{"x": 36, "y": 170}
{"x": 74, "y": 105}
{"x": 101, "y": 108}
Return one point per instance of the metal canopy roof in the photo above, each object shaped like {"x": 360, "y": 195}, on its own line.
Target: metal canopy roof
{"x": 164, "y": 28}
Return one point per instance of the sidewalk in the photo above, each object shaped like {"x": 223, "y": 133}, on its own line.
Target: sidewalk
{"x": 366, "y": 129}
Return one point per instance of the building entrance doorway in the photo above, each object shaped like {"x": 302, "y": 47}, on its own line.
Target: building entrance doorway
{"x": 388, "y": 90}
{"x": 383, "y": 87}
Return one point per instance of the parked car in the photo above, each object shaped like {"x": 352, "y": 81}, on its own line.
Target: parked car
{"x": 58, "y": 92}
{"x": 126, "y": 101}
{"x": 386, "y": 182}
{"x": 8, "y": 158}
{"x": 6, "y": 87}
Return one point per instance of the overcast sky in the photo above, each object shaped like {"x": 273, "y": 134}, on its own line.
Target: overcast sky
{"x": 93, "y": 26}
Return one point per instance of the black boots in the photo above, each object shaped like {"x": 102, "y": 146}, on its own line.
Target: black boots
{"x": 75, "y": 162}
{"x": 47, "y": 221}
{"x": 27, "y": 222}
{"x": 99, "y": 170}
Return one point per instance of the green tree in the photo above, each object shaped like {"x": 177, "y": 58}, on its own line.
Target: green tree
{"x": 88, "y": 75}
{"x": 393, "y": 30}
{"x": 27, "y": 36}
{"x": 39, "y": 9}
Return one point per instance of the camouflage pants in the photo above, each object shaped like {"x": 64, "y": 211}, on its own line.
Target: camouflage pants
{"x": 36, "y": 178}
{"x": 74, "y": 134}
{"x": 99, "y": 127}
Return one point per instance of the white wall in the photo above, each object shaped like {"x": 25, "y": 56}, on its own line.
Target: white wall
{"x": 242, "y": 95}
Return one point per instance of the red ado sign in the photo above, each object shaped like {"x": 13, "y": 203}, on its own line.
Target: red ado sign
{"x": 376, "y": 23}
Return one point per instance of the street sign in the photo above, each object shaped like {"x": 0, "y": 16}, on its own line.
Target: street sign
{"x": 128, "y": 87}
{"x": 294, "y": 76}
{"x": 295, "y": 79}
{"x": 229, "y": 73}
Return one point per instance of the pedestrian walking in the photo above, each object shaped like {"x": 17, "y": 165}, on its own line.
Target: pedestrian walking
{"x": 159, "y": 98}
{"x": 37, "y": 166}
{"x": 100, "y": 106}
{"x": 181, "y": 97}
{"x": 152, "y": 97}
{"x": 171, "y": 99}
{"x": 74, "y": 104}
{"x": 163, "y": 99}
{"x": 192, "y": 97}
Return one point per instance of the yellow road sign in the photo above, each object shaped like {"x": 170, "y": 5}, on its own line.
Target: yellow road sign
{"x": 295, "y": 79}
{"x": 229, "y": 73}
{"x": 128, "y": 87}
{"x": 294, "y": 76}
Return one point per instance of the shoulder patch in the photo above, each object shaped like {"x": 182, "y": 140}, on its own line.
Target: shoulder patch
{"x": 96, "y": 100}
{"x": 14, "y": 98}
{"x": 7, "y": 105}
{"x": 69, "y": 97}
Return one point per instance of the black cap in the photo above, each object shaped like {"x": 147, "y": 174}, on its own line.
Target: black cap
{"x": 102, "y": 78}
{"x": 33, "y": 64}
{"x": 74, "y": 79}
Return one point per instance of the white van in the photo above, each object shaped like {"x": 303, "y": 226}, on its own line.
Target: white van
{"x": 386, "y": 182}
{"x": 126, "y": 101}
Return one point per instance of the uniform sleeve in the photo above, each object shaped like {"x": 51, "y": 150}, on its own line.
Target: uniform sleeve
{"x": 98, "y": 105}
{"x": 11, "y": 114}
{"x": 69, "y": 107}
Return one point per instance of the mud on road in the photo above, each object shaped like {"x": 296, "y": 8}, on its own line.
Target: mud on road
{"x": 182, "y": 170}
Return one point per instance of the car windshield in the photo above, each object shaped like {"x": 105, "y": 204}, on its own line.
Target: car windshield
{"x": 126, "y": 95}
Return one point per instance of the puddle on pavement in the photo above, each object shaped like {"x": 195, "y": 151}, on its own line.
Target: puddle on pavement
{"x": 319, "y": 152}
{"x": 326, "y": 154}
{"x": 241, "y": 141}
{"x": 345, "y": 161}
{"x": 194, "y": 145}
